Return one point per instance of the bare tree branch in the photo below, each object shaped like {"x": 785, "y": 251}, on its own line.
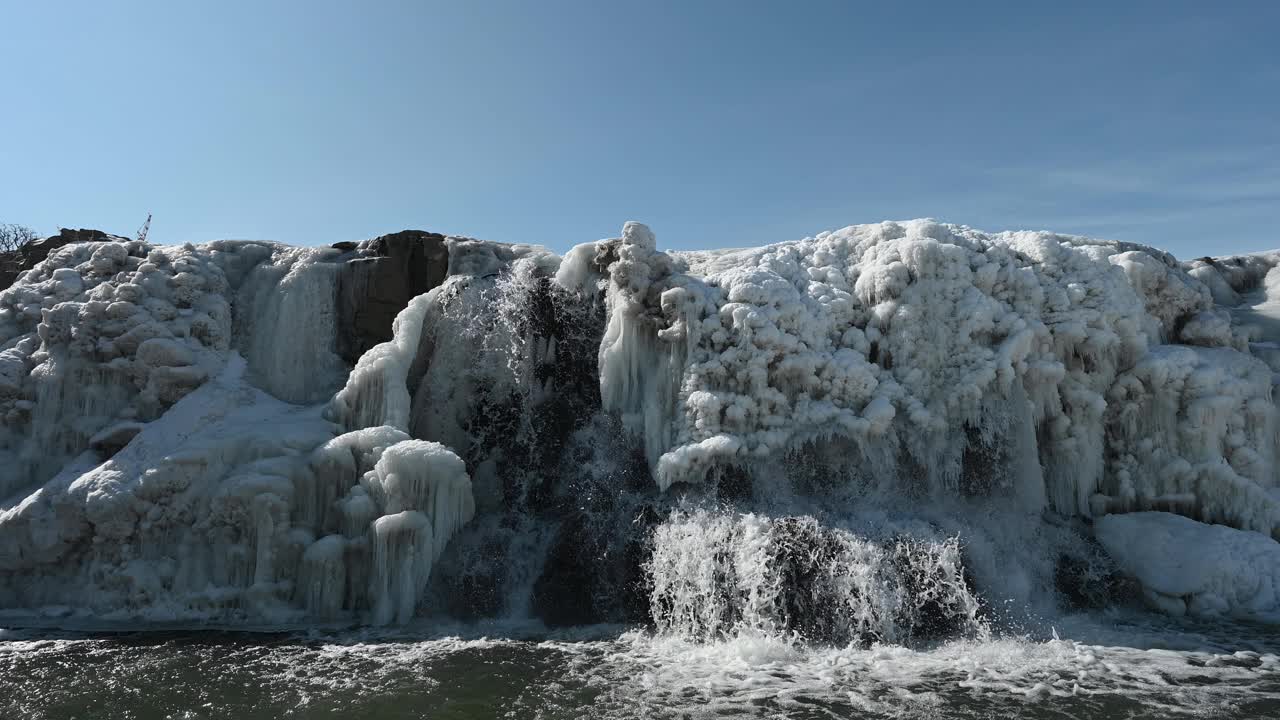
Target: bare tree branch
{"x": 13, "y": 237}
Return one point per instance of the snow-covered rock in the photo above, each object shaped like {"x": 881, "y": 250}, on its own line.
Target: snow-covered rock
{"x": 1187, "y": 567}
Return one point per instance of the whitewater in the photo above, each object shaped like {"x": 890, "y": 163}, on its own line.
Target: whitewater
{"x": 899, "y": 469}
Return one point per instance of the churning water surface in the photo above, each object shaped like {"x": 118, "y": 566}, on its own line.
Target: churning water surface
{"x": 1100, "y": 665}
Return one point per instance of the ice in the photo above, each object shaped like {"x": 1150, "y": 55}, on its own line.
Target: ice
{"x": 1194, "y": 430}
{"x": 376, "y": 392}
{"x": 1197, "y": 568}
{"x": 287, "y": 322}
{"x": 403, "y": 549}
{"x": 377, "y": 491}
{"x": 426, "y": 477}
{"x": 322, "y": 577}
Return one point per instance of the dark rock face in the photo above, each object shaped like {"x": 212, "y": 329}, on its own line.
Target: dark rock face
{"x": 562, "y": 595}
{"x": 13, "y": 264}
{"x": 380, "y": 279}
{"x": 594, "y": 569}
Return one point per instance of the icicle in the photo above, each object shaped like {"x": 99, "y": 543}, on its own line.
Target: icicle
{"x": 322, "y": 577}
{"x": 403, "y": 553}
{"x": 427, "y": 477}
{"x": 335, "y": 468}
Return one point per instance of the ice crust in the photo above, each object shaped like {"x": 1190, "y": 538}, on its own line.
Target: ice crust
{"x": 179, "y": 439}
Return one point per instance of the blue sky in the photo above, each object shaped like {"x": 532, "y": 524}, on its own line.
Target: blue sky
{"x": 718, "y": 123}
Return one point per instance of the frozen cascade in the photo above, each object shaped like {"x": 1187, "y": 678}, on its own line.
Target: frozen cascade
{"x": 403, "y": 547}
{"x": 286, "y": 325}
{"x": 426, "y": 477}
{"x": 547, "y": 436}
{"x": 322, "y": 577}
{"x": 639, "y": 372}
{"x": 335, "y": 469}
{"x": 377, "y": 496}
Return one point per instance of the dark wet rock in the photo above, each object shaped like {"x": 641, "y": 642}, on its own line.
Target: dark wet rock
{"x": 473, "y": 578}
{"x": 636, "y": 551}
{"x": 375, "y": 285}
{"x": 1091, "y": 581}
{"x": 595, "y": 569}
{"x": 562, "y": 596}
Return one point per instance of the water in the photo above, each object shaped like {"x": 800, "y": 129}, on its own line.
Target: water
{"x": 1104, "y": 665}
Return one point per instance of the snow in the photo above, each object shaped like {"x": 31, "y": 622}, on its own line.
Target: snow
{"x": 97, "y": 334}
{"x": 1196, "y": 568}
{"x": 197, "y": 498}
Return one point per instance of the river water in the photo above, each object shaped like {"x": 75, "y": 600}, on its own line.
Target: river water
{"x": 1105, "y": 665}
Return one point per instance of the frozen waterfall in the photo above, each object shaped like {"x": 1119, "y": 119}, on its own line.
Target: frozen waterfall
{"x": 877, "y": 434}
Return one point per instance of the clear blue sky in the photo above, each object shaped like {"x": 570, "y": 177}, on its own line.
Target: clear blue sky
{"x": 718, "y": 123}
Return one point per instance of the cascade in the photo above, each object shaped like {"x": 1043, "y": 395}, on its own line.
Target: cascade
{"x": 718, "y": 575}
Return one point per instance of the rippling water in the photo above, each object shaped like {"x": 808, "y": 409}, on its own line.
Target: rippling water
{"x": 1100, "y": 666}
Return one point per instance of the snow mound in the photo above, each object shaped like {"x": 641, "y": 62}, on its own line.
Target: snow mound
{"x": 1187, "y": 567}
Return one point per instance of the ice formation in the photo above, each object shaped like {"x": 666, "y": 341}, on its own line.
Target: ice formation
{"x": 1190, "y": 567}
{"x": 907, "y": 335}
{"x": 625, "y": 432}
{"x": 185, "y": 498}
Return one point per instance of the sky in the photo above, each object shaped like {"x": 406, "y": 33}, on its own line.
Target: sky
{"x": 719, "y": 124}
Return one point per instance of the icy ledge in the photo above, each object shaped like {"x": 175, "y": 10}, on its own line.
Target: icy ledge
{"x": 1187, "y": 567}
